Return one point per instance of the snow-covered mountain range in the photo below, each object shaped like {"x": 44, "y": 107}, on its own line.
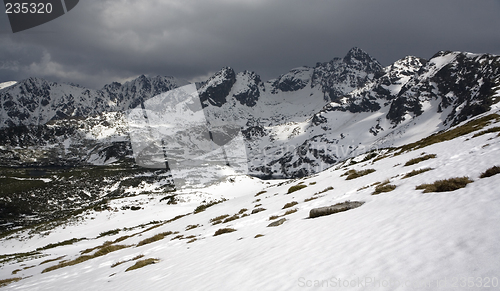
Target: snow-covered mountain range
{"x": 299, "y": 123}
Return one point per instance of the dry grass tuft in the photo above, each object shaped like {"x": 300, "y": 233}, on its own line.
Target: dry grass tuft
{"x": 192, "y": 226}
{"x": 446, "y": 185}
{"x": 467, "y": 128}
{"x": 118, "y": 263}
{"x": 234, "y": 217}
{"x": 416, "y": 172}
{"x": 154, "y": 238}
{"x": 384, "y": 187}
{"x": 490, "y": 172}
{"x": 296, "y": 188}
{"x": 218, "y": 219}
{"x": 202, "y": 207}
{"x": 489, "y": 130}
{"x": 6, "y": 282}
{"x": 419, "y": 159}
{"x": 224, "y": 230}
{"x": 311, "y": 198}
{"x": 260, "y": 193}
{"x": 290, "y": 204}
{"x": 353, "y": 174}
{"x": 142, "y": 263}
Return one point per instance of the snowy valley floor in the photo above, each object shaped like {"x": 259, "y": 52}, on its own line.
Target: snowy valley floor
{"x": 399, "y": 240}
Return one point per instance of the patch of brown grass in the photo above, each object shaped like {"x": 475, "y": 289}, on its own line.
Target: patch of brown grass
{"x": 384, "y": 187}
{"x": 179, "y": 237}
{"x": 224, "y": 230}
{"x": 353, "y": 174}
{"x": 6, "y": 282}
{"x": 489, "y": 130}
{"x": 260, "y": 193}
{"x": 446, "y": 185}
{"x": 202, "y": 207}
{"x": 324, "y": 190}
{"x": 296, "y": 188}
{"x": 311, "y": 198}
{"x": 231, "y": 218}
{"x": 122, "y": 238}
{"x": 490, "y": 172}
{"x": 192, "y": 226}
{"x": 154, "y": 238}
{"x": 218, "y": 219}
{"x": 52, "y": 260}
{"x": 118, "y": 263}
{"x": 108, "y": 249}
{"x": 63, "y": 243}
{"x": 142, "y": 263}
{"x": 467, "y": 128}
{"x": 290, "y": 204}
{"x": 419, "y": 159}
{"x": 416, "y": 172}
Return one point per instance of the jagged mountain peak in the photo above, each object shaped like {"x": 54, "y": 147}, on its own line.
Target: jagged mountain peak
{"x": 339, "y": 76}
{"x": 215, "y": 90}
{"x": 358, "y": 54}
{"x": 360, "y": 59}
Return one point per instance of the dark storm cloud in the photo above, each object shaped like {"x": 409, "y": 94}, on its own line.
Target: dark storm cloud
{"x": 115, "y": 40}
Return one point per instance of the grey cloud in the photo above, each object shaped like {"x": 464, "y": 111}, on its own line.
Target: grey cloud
{"x": 103, "y": 41}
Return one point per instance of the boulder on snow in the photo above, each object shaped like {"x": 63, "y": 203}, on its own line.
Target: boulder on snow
{"x": 339, "y": 207}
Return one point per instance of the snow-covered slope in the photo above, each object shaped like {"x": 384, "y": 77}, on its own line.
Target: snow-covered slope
{"x": 403, "y": 239}
{"x": 7, "y": 84}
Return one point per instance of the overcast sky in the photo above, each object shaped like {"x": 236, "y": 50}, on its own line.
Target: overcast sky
{"x": 101, "y": 41}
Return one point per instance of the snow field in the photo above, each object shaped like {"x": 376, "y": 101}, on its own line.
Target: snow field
{"x": 400, "y": 237}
